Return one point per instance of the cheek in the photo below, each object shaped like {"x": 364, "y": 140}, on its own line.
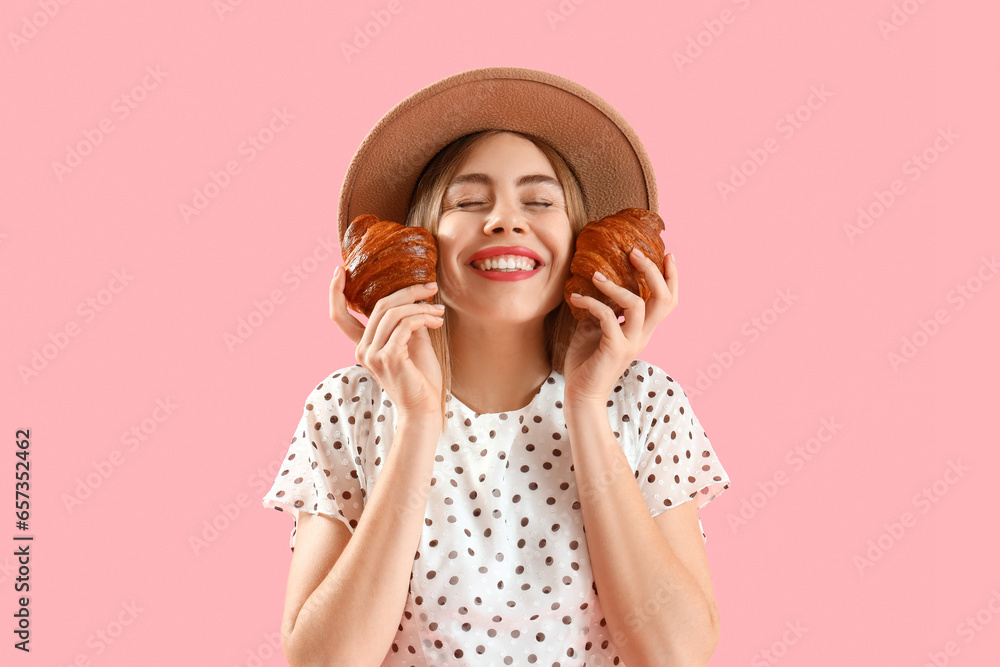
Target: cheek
{"x": 566, "y": 256}
{"x": 448, "y": 260}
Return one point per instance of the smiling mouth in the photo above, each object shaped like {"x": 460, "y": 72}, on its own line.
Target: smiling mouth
{"x": 506, "y": 263}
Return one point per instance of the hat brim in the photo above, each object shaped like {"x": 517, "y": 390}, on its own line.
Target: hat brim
{"x": 602, "y": 149}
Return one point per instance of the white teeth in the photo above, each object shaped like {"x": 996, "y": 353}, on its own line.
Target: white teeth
{"x": 506, "y": 263}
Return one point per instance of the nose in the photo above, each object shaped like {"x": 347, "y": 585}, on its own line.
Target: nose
{"x": 505, "y": 215}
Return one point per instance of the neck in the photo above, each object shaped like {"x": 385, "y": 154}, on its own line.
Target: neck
{"x": 497, "y": 367}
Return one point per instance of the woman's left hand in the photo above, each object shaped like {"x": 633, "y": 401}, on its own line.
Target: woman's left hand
{"x": 598, "y": 355}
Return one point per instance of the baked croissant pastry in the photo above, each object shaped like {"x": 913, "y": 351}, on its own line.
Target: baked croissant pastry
{"x": 381, "y": 257}
{"x": 604, "y": 245}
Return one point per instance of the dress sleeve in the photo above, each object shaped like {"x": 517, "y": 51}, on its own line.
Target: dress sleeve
{"x": 323, "y": 471}
{"x": 676, "y": 461}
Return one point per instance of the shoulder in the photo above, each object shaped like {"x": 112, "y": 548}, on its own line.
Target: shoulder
{"x": 346, "y": 388}
{"x": 644, "y": 391}
{"x": 648, "y": 379}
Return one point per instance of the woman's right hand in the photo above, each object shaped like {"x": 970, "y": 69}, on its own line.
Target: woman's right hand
{"x": 395, "y": 346}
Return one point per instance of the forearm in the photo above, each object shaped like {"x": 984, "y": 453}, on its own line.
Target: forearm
{"x": 654, "y": 608}
{"x": 353, "y": 615}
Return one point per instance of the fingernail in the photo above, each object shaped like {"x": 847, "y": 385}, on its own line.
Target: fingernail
{"x": 439, "y": 306}
{"x": 431, "y": 285}
{"x": 636, "y": 252}
{"x": 672, "y": 258}
{"x": 574, "y": 295}
{"x": 336, "y": 273}
{"x": 599, "y": 276}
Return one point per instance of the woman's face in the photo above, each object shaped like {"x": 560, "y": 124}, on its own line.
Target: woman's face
{"x": 504, "y": 195}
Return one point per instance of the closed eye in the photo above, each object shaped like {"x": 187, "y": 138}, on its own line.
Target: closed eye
{"x": 462, "y": 204}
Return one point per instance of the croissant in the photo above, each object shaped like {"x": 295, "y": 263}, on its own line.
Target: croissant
{"x": 604, "y": 245}
{"x": 381, "y": 257}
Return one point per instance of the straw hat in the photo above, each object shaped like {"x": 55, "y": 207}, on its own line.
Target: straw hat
{"x": 596, "y": 141}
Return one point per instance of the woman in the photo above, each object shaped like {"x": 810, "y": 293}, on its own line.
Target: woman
{"x": 441, "y": 487}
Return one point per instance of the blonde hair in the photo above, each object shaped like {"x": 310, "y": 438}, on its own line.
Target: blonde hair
{"x": 425, "y": 210}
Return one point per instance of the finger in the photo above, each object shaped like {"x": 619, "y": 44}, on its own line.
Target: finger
{"x": 394, "y": 316}
{"x": 656, "y": 276}
{"x": 603, "y": 313}
{"x": 346, "y": 322}
{"x": 672, "y": 281}
{"x": 663, "y": 295}
{"x": 632, "y": 304}
{"x": 401, "y": 334}
{"x": 399, "y": 297}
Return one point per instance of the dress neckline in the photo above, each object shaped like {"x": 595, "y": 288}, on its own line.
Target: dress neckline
{"x": 549, "y": 379}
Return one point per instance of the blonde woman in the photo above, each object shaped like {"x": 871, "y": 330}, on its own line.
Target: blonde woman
{"x": 441, "y": 487}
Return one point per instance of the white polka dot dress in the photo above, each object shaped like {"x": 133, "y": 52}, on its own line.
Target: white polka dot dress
{"x": 502, "y": 575}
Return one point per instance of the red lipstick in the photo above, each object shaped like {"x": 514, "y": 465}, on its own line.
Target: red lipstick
{"x": 493, "y": 251}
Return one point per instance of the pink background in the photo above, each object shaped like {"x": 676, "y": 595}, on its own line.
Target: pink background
{"x": 161, "y": 334}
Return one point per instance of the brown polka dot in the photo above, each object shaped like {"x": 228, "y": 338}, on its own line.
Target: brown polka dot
{"x": 458, "y": 537}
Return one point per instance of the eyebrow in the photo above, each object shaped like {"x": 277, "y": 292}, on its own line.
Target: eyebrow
{"x": 484, "y": 179}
